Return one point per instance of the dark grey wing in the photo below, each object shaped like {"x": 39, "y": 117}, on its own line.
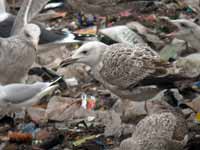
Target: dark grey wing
{"x": 28, "y": 10}
{"x": 18, "y": 93}
{"x": 6, "y": 26}
{"x": 7, "y": 22}
{"x": 124, "y": 66}
{"x": 49, "y": 36}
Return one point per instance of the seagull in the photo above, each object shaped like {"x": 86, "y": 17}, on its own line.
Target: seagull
{"x": 160, "y": 131}
{"x": 7, "y": 21}
{"x": 187, "y": 30}
{"x": 18, "y": 52}
{"x": 18, "y": 96}
{"x": 123, "y": 69}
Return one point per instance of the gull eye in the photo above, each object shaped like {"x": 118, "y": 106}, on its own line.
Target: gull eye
{"x": 27, "y": 35}
{"x": 84, "y": 52}
{"x": 183, "y": 25}
{"x": 196, "y": 20}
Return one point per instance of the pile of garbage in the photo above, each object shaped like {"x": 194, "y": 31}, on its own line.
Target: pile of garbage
{"x": 83, "y": 115}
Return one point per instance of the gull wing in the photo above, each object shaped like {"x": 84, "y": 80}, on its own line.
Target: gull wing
{"x": 28, "y": 10}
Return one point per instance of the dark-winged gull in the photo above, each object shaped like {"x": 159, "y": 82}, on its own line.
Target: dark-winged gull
{"x": 7, "y": 20}
{"x": 122, "y": 68}
{"x": 187, "y": 30}
{"x": 15, "y": 97}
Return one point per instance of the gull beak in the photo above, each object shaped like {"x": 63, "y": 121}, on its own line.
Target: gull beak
{"x": 171, "y": 35}
{"x": 68, "y": 61}
{"x": 172, "y": 22}
{"x": 35, "y": 44}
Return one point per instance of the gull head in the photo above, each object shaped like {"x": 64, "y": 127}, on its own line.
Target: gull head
{"x": 184, "y": 28}
{"x": 31, "y": 32}
{"x": 89, "y": 54}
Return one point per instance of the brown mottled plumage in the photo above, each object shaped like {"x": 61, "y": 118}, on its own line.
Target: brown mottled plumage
{"x": 157, "y": 132}
{"x": 125, "y": 66}
{"x": 121, "y": 67}
{"x": 165, "y": 128}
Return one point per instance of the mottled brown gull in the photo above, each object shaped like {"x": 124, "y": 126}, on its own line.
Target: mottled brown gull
{"x": 157, "y": 132}
{"x": 121, "y": 68}
{"x": 164, "y": 128}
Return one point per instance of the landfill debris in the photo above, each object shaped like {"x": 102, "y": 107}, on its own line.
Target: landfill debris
{"x": 20, "y": 137}
{"x": 189, "y": 65}
{"x": 81, "y": 141}
{"x": 173, "y": 50}
{"x": 85, "y": 115}
{"x": 121, "y": 34}
{"x": 197, "y": 118}
{"x": 88, "y": 102}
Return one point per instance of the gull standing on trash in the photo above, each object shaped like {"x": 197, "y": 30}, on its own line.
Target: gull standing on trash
{"x": 16, "y": 97}
{"x": 122, "y": 68}
{"x": 159, "y": 131}
{"x": 18, "y": 52}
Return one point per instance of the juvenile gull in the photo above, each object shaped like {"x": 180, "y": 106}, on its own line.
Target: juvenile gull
{"x": 164, "y": 128}
{"x": 15, "y": 97}
{"x": 157, "y": 132}
{"x": 123, "y": 68}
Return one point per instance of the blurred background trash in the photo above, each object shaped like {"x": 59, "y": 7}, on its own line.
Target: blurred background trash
{"x": 83, "y": 114}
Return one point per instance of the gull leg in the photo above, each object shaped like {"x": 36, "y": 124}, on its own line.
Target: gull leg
{"x": 106, "y": 21}
{"x": 98, "y": 25}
